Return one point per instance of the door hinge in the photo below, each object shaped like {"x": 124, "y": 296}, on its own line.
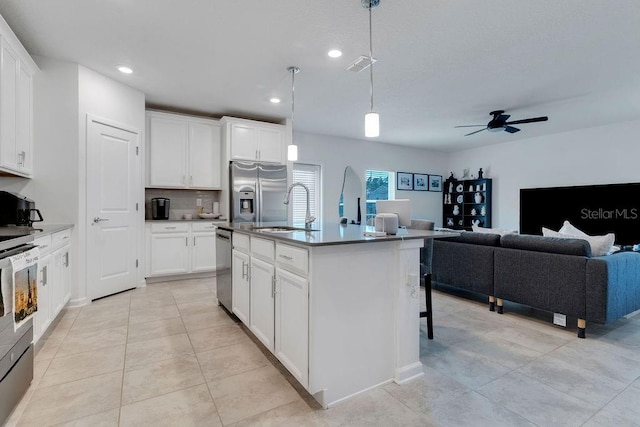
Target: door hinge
{"x": 136, "y": 263}
{"x": 137, "y": 151}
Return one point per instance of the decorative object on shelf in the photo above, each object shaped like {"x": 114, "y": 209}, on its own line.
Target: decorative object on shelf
{"x": 480, "y": 173}
{"x": 477, "y": 197}
{"x": 460, "y": 188}
{"x": 460, "y": 198}
{"x": 456, "y": 210}
{"x": 404, "y": 181}
{"x": 420, "y": 182}
{"x": 484, "y": 186}
{"x": 475, "y": 222}
{"x": 371, "y": 119}
{"x": 483, "y": 210}
{"x": 292, "y": 149}
{"x": 450, "y": 222}
{"x": 478, "y": 187}
{"x": 451, "y": 187}
{"x": 435, "y": 183}
{"x": 474, "y": 212}
{"x": 470, "y": 187}
{"x": 465, "y": 173}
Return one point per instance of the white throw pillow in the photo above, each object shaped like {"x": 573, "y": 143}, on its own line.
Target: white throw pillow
{"x": 568, "y": 228}
{"x": 600, "y": 245}
{"x": 500, "y": 231}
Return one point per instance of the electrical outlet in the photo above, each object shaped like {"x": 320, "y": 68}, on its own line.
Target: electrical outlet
{"x": 199, "y": 203}
{"x": 560, "y": 319}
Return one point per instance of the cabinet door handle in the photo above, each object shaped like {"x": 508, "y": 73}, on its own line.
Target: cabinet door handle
{"x": 194, "y": 240}
{"x": 44, "y": 276}
{"x": 66, "y": 259}
{"x": 288, "y": 258}
{"x": 257, "y": 155}
{"x": 186, "y": 241}
{"x": 243, "y": 273}
{"x": 273, "y": 286}
{"x": 170, "y": 228}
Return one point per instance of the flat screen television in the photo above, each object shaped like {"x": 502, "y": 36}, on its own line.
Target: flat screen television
{"x": 594, "y": 209}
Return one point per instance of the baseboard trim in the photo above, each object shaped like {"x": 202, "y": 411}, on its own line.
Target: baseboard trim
{"x": 169, "y": 278}
{"x": 408, "y": 373}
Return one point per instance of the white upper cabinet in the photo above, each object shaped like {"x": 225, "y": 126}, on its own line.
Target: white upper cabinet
{"x": 16, "y": 105}
{"x": 182, "y": 151}
{"x": 254, "y": 141}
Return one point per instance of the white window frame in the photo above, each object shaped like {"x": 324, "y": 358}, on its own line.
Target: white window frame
{"x": 310, "y": 175}
{"x": 391, "y": 191}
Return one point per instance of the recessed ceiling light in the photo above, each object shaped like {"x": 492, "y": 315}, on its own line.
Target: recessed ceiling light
{"x": 335, "y": 53}
{"x": 125, "y": 70}
{"x": 275, "y": 100}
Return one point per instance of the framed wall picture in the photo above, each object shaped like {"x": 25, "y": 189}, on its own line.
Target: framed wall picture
{"x": 435, "y": 182}
{"x": 420, "y": 182}
{"x": 404, "y": 181}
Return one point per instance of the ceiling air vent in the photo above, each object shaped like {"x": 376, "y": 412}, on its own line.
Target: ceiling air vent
{"x": 361, "y": 63}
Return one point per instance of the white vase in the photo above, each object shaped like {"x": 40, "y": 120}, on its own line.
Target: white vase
{"x": 456, "y": 210}
{"x": 477, "y": 198}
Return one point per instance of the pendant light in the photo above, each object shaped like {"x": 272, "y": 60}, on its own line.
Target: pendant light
{"x": 292, "y": 149}
{"x": 371, "y": 119}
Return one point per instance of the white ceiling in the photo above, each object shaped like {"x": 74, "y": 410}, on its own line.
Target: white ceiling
{"x": 440, "y": 63}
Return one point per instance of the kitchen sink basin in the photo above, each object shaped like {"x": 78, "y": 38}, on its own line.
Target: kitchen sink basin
{"x": 280, "y": 229}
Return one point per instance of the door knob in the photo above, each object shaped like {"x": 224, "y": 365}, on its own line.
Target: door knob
{"x": 98, "y": 219}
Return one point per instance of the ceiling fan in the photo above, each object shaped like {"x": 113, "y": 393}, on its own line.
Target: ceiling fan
{"x": 499, "y": 123}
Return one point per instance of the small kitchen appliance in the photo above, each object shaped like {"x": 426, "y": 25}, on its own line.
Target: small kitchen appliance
{"x": 17, "y": 210}
{"x": 160, "y": 208}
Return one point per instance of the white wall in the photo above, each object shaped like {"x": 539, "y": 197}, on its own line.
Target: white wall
{"x": 334, "y": 154}
{"x": 599, "y": 155}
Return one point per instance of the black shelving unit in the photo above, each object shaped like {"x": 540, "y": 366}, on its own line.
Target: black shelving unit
{"x": 466, "y": 202}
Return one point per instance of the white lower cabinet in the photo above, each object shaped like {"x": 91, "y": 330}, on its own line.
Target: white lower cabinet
{"x": 180, "y": 248}
{"x": 54, "y": 279}
{"x": 276, "y": 289}
{"x": 292, "y": 323}
{"x": 240, "y": 294}
{"x": 263, "y": 275}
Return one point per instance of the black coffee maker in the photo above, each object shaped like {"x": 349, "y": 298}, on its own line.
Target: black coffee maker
{"x": 17, "y": 210}
{"x": 160, "y": 208}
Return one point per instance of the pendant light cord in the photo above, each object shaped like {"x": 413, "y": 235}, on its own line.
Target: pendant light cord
{"x": 293, "y": 100}
{"x": 371, "y": 57}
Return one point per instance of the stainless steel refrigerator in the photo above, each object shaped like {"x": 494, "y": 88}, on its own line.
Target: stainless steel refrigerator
{"x": 257, "y": 192}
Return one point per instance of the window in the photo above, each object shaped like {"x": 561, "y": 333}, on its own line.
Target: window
{"x": 380, "y": 186}
{"x": 309, "y": 175}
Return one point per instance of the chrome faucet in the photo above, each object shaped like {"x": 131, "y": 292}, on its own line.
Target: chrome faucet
{"x": 308, "y": 219}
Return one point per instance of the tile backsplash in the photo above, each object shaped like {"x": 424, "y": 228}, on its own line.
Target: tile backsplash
{"x": 182, "y": 201}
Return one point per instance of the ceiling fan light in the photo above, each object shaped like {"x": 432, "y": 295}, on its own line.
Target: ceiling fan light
{"x": 292, "y": 153}
{"x": 372, "y": 125}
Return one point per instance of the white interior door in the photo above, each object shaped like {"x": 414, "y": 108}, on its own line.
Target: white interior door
{"x": 112, "y": 174}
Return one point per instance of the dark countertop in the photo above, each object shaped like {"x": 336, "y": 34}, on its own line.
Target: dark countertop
{"x": 333, "y": 234}
{"x": 27, "y": 234}
{"x": 219, "y": 220}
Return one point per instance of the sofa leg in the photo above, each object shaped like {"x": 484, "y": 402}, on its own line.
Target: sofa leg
{"x": 500, "y": 308}
{"x": 582, "y": 324}
{"x": 492, "y": 303}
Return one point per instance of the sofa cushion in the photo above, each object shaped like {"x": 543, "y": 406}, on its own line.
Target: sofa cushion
{"x": 470, "y": 237}
{"x": 500, "y": 231}
{"x": 600, "y": 245}
{"x": 556, "y": 245}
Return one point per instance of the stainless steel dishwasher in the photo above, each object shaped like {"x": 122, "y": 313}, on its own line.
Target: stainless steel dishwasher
{"x": 223, "y": 267}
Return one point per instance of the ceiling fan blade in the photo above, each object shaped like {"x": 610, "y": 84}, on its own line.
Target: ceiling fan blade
{"x": 468, "y": 126}
{"x": 511, "y": 129}
{"x": 503, "y": 117}
{"x": 476, "y": 132}
{"x": 532, "y": 120}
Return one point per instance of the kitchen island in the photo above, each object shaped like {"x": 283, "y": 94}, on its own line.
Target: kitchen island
{"x": 339, "y": 309}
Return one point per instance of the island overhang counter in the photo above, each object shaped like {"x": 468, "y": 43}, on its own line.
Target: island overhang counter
{"x": 339, "y": 309}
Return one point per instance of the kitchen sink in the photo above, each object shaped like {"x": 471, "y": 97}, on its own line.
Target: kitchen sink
{"x": 281, "y": 229}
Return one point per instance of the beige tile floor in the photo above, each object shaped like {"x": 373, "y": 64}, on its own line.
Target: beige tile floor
{"x": 168, "y": 355}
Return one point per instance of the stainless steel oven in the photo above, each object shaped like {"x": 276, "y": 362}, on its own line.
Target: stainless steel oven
{"x": 16, "y": 348}
{"x": 223, "y": 267}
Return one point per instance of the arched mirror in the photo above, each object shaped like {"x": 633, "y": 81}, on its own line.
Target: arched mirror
{"x": 350, "y": 196}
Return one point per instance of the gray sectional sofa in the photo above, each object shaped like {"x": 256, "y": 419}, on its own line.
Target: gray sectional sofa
{"x": 546, "y": 273}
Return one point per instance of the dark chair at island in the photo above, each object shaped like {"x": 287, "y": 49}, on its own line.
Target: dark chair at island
{"x": 425, "y": 271}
